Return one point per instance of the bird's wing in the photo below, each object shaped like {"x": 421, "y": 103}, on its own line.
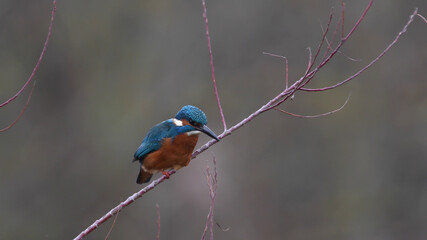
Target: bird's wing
{"x": 154, "y": 138}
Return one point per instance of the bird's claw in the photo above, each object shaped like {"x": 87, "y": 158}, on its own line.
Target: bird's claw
{"x": 167, "y": 175}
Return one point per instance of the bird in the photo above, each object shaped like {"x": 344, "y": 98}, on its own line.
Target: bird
{"x": 169, "y": 144}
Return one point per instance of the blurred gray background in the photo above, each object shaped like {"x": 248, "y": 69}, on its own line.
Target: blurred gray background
{"x": 113, "y": 69}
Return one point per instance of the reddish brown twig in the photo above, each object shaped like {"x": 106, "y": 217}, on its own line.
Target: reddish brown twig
{"x": 307, "y": 78}
{"x": 342, "y": 17}
{"x": 38, "y": 62}
{"x": 329, "y": 43}
{"x": 286, "y": 66}
{"x": 158, "y": 221}
{"x": 422, "y": 17}
{"x": 212, "y": 182}
{"x": 411, "y": 18}
{"x": 112, "y": 226}
{"x": 123, "y": 204}
{"x": 319, "y": 47}
{"x": 22, "y": 111}
{"x": 315, "y": 116}
{"x": 205, "y": 16}
{"x": 288, "y": 92}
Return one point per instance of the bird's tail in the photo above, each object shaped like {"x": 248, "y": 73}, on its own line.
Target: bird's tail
{"x": 143, "y": 176}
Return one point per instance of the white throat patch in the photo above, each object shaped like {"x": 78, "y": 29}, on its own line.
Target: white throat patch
{"x": 177, "y": 122}
{"x": 195, "y": 132}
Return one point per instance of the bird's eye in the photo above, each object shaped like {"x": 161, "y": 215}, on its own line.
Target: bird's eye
{"x": 192, "y": 122}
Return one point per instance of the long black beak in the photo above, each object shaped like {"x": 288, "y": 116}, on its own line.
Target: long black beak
{"x": 208, "y": 132}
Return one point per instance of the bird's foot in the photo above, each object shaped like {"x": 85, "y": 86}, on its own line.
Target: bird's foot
{"x": 167, "y": 175}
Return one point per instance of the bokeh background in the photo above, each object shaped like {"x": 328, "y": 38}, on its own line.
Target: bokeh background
{"x": 113, "y": 69}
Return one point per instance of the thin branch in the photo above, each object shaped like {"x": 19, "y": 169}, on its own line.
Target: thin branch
{"x": 311, "y": 75}
{"x": 315, "y": 116}
{"x": 358, "y": 21}
{"x": 422, "y": 17}
{"x": 205, "y": 16}
{"x": 273, "y": 55}
{"x": 287, "y": 74}
{"x": 411, "y": 18}
{"x": 310, "y": 63}
{"x": 38, "y": 62}
{"x": 319, "y": 47}
{"x": 309, "y": 58}
{"x": 342, "y": 18}
{"x": 112, "y": 226}
{"x": 331, "y": 42}
{"x": 212, "y": 182}
{"x": 212, "y": 189}
{"x": 286, "y": 66}
{"x": 22, "y": 111}
{"x": 123, "y": 204}
{"x": 158, "y": 221}
{"x": 205, "y": 230}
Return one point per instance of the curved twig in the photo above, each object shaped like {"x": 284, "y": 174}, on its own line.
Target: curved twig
{"x": 22, "y": 111}
{"x": 38, "y": 62}
{"x": 315, "y": 116}
{"x": 411, "y": 18}
{"x": 205, "y": 16}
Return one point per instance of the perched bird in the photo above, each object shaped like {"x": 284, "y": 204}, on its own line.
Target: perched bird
{"x": 170, "y": 143}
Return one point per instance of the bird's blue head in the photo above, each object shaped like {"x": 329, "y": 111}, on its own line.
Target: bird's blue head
{"x": 197, "y": 120}
{"x": 193, "y": 115}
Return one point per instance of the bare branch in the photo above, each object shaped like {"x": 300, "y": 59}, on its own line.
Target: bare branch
{"x": 342, "y": 18}
{"x": 315, "y": 116}
{"x": 287, "y": 74}
{"x": 309, "y": 60}
{"x": 22, "y": 111}
{"x": 38, "y": 62}
{"x": 422, "y": 17}
{"x": 212, "y": 182}
{"x": 358, "y": 21}
{"x": 331, "y": 42}
{"x": 112, "y": 226}
{"x": 205, "y": 16}
{"x": 411, "y": 18}
{"x": 158, "y": 221}
{"x": 286, "y": 64}
{"x": 123, "y": 204}
{"x": 332, "y": 54}
{"x": 319, "y": 47}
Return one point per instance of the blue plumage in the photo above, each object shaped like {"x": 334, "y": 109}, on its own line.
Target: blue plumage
{"x": 154, "y": 138}
{"x": 192, "y": 114}
{"x": 170, "y": 143}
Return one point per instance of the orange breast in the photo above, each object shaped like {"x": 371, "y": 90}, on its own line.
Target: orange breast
{"x": 173, "y": 154}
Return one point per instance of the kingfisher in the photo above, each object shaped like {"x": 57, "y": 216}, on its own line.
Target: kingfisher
{"x": 170, "y": 143}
